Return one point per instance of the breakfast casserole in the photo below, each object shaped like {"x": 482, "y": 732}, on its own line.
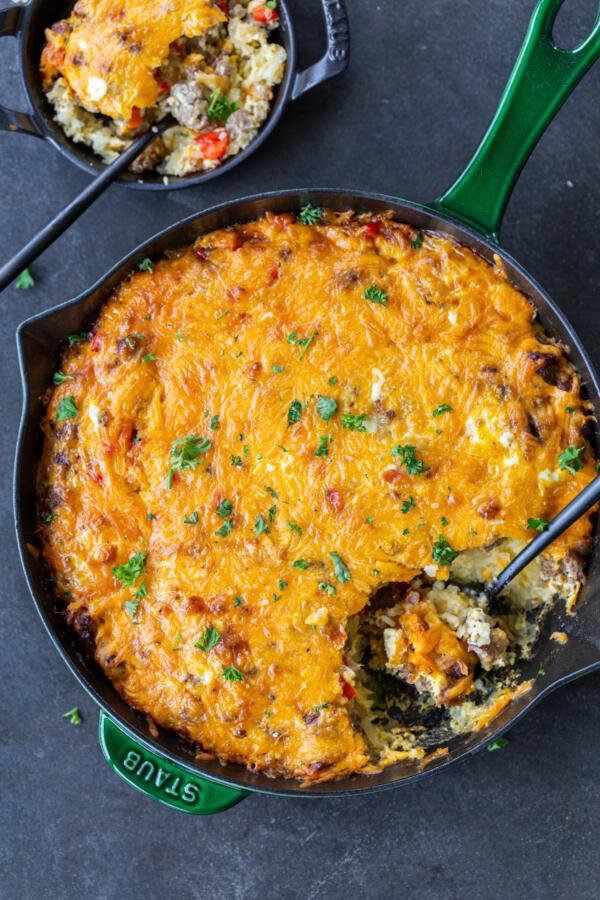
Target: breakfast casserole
{"x": 113, "y": 68}
{"x": 267, "y": 459}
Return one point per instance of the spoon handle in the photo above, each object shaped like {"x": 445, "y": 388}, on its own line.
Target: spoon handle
{"x": 70, "y": 213}
{"x": 573, "y": 511}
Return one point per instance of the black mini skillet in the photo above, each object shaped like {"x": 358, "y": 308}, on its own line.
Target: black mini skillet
{"x": 470, "y": 212}
{"x": 28, "y": 23}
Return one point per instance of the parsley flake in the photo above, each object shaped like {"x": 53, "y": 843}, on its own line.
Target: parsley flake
{"x": 300, "y": 564}
{"x": 237, "y": 601}
{"x": 260, "y": 526}
{"x": 74, "y": 339}
{"x": 192, "y": 519}
{"x": 73, "y": 715}
{"x": 149, "y": 357}
{"x": 25, "y": 280}
{"x": 354, "y": 423}
{"x": 128, "y": 573}
{"x": 232, "y": 673}
{"x": 146, "y": 265}
{"x": 214, "y": 423}
{"x": 323, "y": 445}
{"x": 442, "y": 552}
{"x": 498, "y": 743}
{"x": 220, "y": 108}
{"x": 210, "y": 638}
{"x": 417, "y": 243}
{"x": 184, "y": 454}
{"x": 277, "y": 369}
{"x": 272, "y": 492}
{"x": 407, "y": 505}
{"x": 294, "y": 412}
{"x": 331, "y": 381}
{"x": 60, "y": 377}
{"x": 295, "y": 528}
{"x": 66, "y": 409}
{"x": 132, "y": 607}
{"x": 236, "y": 461}
{"x": 569, "y": 460}
{"x": 310, "y": 215}
{"x": 340, "y": 569}
{"x": 408, "y": 459}
{"x": 540, "y": 524}
{"x": 326, "y": 407}
{"x": 375, "y": 295}
{"x": 443, "y": 408}
{"x": 327, "y": 587}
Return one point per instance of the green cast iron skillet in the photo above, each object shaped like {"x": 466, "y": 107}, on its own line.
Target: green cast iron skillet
{"x": 162, "y": 766}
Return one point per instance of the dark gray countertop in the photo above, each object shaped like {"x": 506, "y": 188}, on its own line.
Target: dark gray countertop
{"x": 423, "y": 81}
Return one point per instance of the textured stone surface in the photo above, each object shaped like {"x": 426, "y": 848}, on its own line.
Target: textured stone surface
{"x": 423, "y": 81}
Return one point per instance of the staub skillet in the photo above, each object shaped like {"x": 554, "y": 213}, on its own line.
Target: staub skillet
{"x": 470, "y": 211}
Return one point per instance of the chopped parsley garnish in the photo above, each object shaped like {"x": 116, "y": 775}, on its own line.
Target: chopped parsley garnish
{"x": 301, "y": 342}
{"x": 128, "y": 573}
{"x": 340, "y": 569}
{"x": 369, "y": 519}
{"x": 77, "y": 339}
{"x": 333, "y": 380}
{"x": 151, "y": 517}
{"x": 236, "y": 461}
{"x": 272, "y": 4}
{"x": 181, "y": 337}
{"x": 50, "y": 518}
{"x": 354, "y": 423}
{"x": 407, "y": 505}
{"x": 570, "y": 409}
{"x": 327, "y": 587}
{"x": 66, "y": 409}
{"x": 192, "y": 519}
{"x": 232, "y": 673}
{"x": 272, "y": 513}
{"x": 541, "y": 671}
{"x": 321, "y": 706}
{"x": 282, "y": 584}
{"x": 25, "y": 280}
{"x": 272, "y": 492}
{"x": 220, "y": 108}
{"x": 294, "y": 412}
{"x": 141, "y": 592}
{"x": 224, "y": 509}
{"x": 149, "y": 357}
{"x": 442, "y": 551}
{"x": 309, "y": 214}
{"x": 277, "y": 369}
{"x": 146, "y": 265}
{"x": 498, "y": 743}
{"x": 132, "y": 607}
{"x": 73, "y": 715}
{"x": 237, "y": 601}
{"x": 326, "y": 407}
{"x": 540, "y": 524}
{"x": 214, "y": 423}
{"x": 443, "y": 408}
{"x": 408, "y": 459}
{"x": 225, "y": 529}
{"x": 60, "y": 377}
{"x": 295, "y": 528}
{"x": 323, "y": 445}
{"x": 184, "y": 454}
{"x": 300, "y": 564}
{"x": 260, "y": 526}
{"x": 569, "y": 460}
{"x": 375, "y": 294}
{"x": 417, "y": 243}
{"x": 210, "y": 638}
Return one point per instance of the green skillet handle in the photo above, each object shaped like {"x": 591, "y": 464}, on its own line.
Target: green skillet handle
{"x": 543, "y": 77}
{"x": 160, "y": 779}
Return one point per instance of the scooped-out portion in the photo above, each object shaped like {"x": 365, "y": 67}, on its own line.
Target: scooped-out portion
{"x": 429, "y": 660}
{"x": 111, "y": 70}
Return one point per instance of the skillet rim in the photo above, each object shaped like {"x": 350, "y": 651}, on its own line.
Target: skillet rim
{"x": 291, "y": 200}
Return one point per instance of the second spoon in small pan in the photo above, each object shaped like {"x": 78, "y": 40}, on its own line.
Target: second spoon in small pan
{"x": 59, "y": 224}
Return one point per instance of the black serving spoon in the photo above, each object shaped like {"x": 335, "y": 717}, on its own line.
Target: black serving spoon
{"x": 573, "y": 511}
{"x": 76, "y": 207}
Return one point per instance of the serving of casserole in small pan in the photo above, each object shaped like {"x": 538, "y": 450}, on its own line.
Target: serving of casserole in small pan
{"x": 98, "y": 74}
{"x": 270, "y": 438}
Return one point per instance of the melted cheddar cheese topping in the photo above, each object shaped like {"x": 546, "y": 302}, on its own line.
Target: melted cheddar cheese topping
{"x": 110, "y": 49}
{"x": 237, "y": 424}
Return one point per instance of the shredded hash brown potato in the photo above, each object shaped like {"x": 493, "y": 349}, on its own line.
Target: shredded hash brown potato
{"x": 265, "y": 460}
{"x": 110, "y": 71}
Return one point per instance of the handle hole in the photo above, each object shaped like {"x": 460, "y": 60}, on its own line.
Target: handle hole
{"x": 574, "y": 23}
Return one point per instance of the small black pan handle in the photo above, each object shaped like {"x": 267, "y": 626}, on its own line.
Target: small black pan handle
{"x": 12, "y": 119}
{"x": 337, "y": 55}
{"x": 76, "y": 207}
